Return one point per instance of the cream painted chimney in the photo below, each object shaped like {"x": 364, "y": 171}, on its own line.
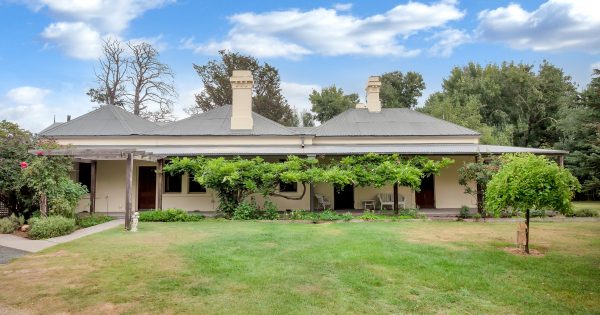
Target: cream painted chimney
{"x": 373, "y": 87}
{"x": 241, "y": 100}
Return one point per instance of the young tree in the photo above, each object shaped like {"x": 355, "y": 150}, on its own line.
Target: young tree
{"x": 131, "y": 76}
{"x": 267, "y": 98}
{"x": 400, "y": 90}
{"x": 307, "y": 118}
{"x": 151, "y": 82}
{"x": 330, "y": 102}
{"x": 479, "y": 172}
{"x": 527, "y": 181}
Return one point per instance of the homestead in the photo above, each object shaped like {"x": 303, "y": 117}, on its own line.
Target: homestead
{"x": 120, "y": 156}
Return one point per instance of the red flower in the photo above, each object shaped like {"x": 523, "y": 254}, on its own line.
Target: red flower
{"x": 38, "y": 153}
{"x": 24, "y": 164}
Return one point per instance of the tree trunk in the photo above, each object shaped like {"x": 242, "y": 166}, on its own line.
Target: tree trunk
{"x": 395, "y": 198}
{"x": 527, "y": 232}
{"x": 43, "y": 205}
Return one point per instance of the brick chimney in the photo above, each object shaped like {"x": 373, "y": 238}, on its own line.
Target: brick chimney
{"x": 241, "y": 100}
{"x": 373, "y": 87}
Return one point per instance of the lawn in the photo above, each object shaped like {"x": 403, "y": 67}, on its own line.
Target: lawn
{"x": 226, "y": 267}
{"x": 594, "y": 205}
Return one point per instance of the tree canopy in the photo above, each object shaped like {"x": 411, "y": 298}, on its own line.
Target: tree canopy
{"x": 330, "y": 102}
{"x": 401, "y": 90}
{"x": 267, "y": 98}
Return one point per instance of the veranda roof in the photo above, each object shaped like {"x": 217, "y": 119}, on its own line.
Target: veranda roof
{"x": 251, "y": 150}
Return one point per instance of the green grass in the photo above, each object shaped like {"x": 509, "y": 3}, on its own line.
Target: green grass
{"x": 228, "y": 267}
{"x": 594, "y": 205}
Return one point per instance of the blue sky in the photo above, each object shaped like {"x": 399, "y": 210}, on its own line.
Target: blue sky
{"x": 49, "y": 48}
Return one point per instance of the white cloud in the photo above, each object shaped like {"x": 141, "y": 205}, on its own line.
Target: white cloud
{"x": 297, "y": 94}
{"x": 76, "y": 39}
{"x": 82, "y": 24}
{"x": 342, "y": 6}
{"x": 595, "y": 65}
{"x": 25, "y": 106}
{"x": 294, "y": 33}
{"x": 447, "y": 40}
{"x": 555, "y": 25}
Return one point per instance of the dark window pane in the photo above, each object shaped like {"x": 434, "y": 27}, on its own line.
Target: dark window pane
{"x": 84, "y": 175}
{"x": 288, "y": 187}
{"x": 172, "y": 183}
{"x": 194, "y": 186}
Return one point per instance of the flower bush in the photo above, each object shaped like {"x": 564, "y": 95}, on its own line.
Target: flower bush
{"x": 52, "y": 226}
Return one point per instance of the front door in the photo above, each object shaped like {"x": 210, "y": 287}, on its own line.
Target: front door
{"x": 147, "y": 187}
{"x": 343, "y": 198}
{"x": 426, "y": 197}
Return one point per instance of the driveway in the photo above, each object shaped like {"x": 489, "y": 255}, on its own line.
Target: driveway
{"x": 7, "y": 254}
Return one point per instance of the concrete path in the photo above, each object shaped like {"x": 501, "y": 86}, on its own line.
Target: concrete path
{"x": 7, "y": 254}
{"x": 32, "y": 246}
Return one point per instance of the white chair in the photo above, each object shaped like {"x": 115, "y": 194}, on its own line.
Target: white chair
{"x": 322, "y": 202}
{"x": 388, "y": 200}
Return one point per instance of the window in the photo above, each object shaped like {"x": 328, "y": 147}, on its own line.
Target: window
{"x": 194, "y": 186}
{"x": 84, "y": 175}
{"x": 288, "y": 187}
{"x": 172, "y": 183}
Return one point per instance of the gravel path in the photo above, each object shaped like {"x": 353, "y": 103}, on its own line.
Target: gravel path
{"x": 7, "y": 254}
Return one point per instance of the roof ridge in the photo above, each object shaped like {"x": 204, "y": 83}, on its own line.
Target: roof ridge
{"x": 66, "y": 123}
{"x": 274, "y": 123}
{"x": 316, "y": 128}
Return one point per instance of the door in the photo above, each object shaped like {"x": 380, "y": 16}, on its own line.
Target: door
{"x": 426, "y": 197}
{"x": 146, "y": 187}
{"x": 343, "y": 197}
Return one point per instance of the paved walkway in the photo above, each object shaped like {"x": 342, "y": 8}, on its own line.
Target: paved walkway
{"x": 7, "y": 254}
{"x": 32, "y": 246}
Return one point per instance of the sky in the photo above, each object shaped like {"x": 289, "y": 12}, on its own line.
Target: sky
{"x": 49, "y": 49}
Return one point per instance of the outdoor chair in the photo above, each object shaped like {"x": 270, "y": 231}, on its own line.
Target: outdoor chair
{"x": 388, "y": 200}
{"x": 322, "y": 202}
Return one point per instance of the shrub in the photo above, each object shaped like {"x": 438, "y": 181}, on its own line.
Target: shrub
{"x": 465, "y": 212}
{"x": 10, "y": 224}
{"x": 246, "y": 211}
{"x": 327, "y": 215}
{"x": 91, "y": 220}
{"x": 370, "y": 216}
{"x": 410, "y": 213}
{"x": 269, "y": 211}
{"x": 52, "y": 226}
{"x": 585, "y": 213}
{"x": 537, "y": 213}
{"x": 65, "y": 198}
{"x": 477, "y": 216}
{"x": 168, "y": 215}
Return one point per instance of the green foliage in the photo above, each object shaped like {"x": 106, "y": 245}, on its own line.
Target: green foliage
{"x": 401, "y": 90}
{"x": 234, "y": 180}
{"x": 269, "y": 211}
{"x": 371, "y": 216}
{"x": 267, "y": 98}
{"x": 250, "y": 211}
{"x": 464, "y": 213}
{"x": 10, "y": 223}
{"x": 585, "y": 212}
{"x": 14, "y": 144}
{"x": 64, "y": 199}
{"x": 480, "y": 173}
{"x": 52, "y": 226}
{"x": 84, "y": 221}
{"x": 168, "y": 215}
{"x": 330, "y": 102}
{"x": 527, "y": 181}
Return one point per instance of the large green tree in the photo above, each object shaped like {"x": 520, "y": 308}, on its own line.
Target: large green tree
{"x": 526, "y": 182}
{"x": 267, "y": 98}
{"x": 330, "y": 102}
{"x": 579, "y": 128}
{"x": 509, "y": 103}
{"x": 401, "y": 90}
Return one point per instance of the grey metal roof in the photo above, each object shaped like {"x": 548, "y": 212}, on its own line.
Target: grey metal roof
{"x": 107, "y": 120}
{"x": 302, "y": 130}
{"x": 51, "y": 127}
{"x": 408, "y": 149}
{"x": 217, "y": 122}
{"x": 389, "y": 122}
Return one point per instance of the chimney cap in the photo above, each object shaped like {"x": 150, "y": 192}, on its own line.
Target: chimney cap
{"x": 241, "y": 75}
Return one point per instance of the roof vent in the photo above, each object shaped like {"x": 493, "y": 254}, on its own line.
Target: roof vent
{"x": 241, "y": 100}
{"x": 372, "y": 89}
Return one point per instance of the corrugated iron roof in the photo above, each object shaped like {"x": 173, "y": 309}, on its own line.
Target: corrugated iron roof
{"x": 389, "y": 122}
{"x": 108, "y": 120}
{"x": 217, "y": 122}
